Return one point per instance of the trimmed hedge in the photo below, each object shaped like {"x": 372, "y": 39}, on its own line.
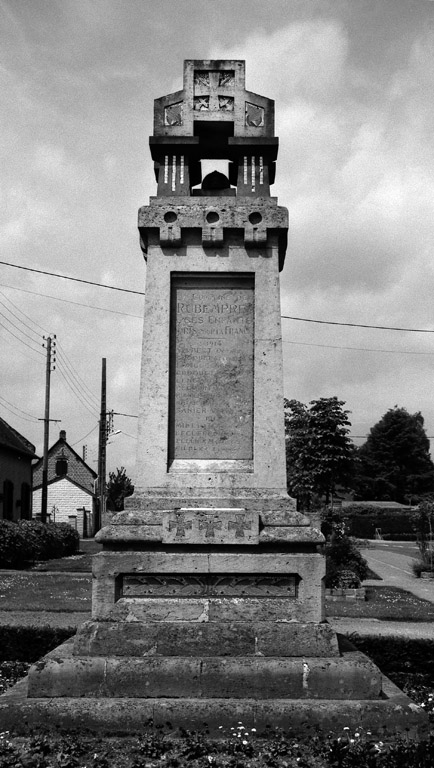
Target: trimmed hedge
{"x": 30, "y": 643}
{"x": 393, "y": 523}
{"x": 29, "y": 540}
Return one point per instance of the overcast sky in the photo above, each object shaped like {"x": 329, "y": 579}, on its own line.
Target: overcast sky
{"x": 353, "y": 82}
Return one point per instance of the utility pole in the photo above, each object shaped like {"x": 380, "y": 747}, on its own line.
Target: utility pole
{"x": 51, "y": 346}
{"x": 102, "y": 449}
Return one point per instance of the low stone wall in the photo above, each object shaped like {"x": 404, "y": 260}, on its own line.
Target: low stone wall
{"x": 346, "y": 593}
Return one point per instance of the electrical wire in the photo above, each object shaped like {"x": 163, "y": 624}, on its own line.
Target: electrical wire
{"x": 358, "y": 325}
{"x": 76, "y": 303}
{"x": 74, "y": 373}
{"x": 357, "y": 349}
{"x": 17, "y": 328}
{"x": 26, "y": 417}
{"x": 26, "y": 325}
{"x": 75, "y": 279}
{"x": 22, "y": 341}
{"x": 87, "y": 435}
{"x": 74, "y": 392}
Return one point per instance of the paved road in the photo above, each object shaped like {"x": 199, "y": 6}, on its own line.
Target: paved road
{"x": 393, "y": 565}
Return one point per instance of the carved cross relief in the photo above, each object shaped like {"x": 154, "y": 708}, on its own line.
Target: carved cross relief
{"x": 213, "y": 91}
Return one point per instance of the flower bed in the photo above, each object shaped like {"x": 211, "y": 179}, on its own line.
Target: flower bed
{"x": 346, "y": 593}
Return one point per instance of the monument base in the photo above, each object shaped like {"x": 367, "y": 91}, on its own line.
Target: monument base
{"x": 87, "y": 704}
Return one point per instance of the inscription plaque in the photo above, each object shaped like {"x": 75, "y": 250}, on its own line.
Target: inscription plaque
{"x": 210, "y": 585}
{"x": 211, "y": 367}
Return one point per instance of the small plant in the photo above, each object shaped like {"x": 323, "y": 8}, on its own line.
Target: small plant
{"x": 343, "y": 555}
{"x": 424, "y": 527}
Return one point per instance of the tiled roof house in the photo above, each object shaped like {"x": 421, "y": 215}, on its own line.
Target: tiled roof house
{"x": 71, "y": 488}
{"x": 16, "y": 455}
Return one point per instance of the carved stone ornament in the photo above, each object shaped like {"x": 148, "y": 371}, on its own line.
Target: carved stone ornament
{"x": 173, "y": 114}
{"x": 209, "y": 585}
{"x": 254, "y": 115}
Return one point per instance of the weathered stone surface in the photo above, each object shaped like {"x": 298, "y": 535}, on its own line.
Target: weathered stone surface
{"x": 310, "y": 565}
{"x": 165, "y": 609}
{"x": 177, "y": 638}
{"x": 281, "y": 517}
{"x": 257, "y": 498}
{"x": 136, "y": 517}
{"x": 204, "y": 677}
{"x": 385, "y": 718}
{"x": 205, "y": 526}
{"x": 297, "y": 535}
{"x": 204, "y": 610}
{"x": 129, "y": 533}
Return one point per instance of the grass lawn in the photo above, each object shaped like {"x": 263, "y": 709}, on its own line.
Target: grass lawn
{"x": 27, "y": 591}
{"x": 387, "y": 603}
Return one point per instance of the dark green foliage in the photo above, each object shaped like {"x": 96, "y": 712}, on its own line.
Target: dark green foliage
{"x": 394, "y": 463}
{"x": 424, "y": 524}
{"x": 319, "y": 453}
{"x": 118, "y": 487}
{"x": 30, "y": 643}
{"x": 362, "y": 521}
{"x": 30, "y": 540}
{"x": 342, "y": 554}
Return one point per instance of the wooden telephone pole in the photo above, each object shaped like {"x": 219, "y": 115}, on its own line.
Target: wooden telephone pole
{"x": 51, "y": 349}
{"x": 102, "y": 443}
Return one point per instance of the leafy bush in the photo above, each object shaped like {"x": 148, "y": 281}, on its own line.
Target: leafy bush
{"x": 30, "y": 540}
{"x": 362, "y": 521}
{"x": 30, "y": 643}
{"x": 342, "y": 554}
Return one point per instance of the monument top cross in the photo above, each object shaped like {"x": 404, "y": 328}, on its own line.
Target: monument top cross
{"x": 214, "y": 117}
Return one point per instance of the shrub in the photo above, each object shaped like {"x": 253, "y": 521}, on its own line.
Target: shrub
{"x": 363, "y": 520}
{"x": 30, "y": 540}
{"x": 15, "y": 547}
{"x": 30, "y": 643}
{"x": 342, "y": 554}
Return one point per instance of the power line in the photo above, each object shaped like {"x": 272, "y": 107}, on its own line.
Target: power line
{"x": 31, "y": 418}
{"x": 357, "y": 325}
{"x": 75, "y": 279}
{"x": 17, "y": 328}
{"x": 77, "y": 303}
{"x": 87, "y": 435}
{"x": 357, "y": 349}
{"x": 65, "y": 359}
{"x": 74, "y": 392}
{"x": 36, "y": 351}
{"x": 26, "y": 325}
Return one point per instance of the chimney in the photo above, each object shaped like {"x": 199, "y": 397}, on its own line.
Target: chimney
{"x": 62, "y": 435}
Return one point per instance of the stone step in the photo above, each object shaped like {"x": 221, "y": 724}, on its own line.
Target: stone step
{"x": 62, "y": 674}
{"x": 178, "y": 638}
{"x": 385, "y": 718}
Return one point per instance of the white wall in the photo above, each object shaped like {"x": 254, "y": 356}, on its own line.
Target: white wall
{"x": 69, "y": 501}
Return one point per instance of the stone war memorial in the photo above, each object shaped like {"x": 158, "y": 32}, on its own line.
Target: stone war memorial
{"x": 208, "y": 595}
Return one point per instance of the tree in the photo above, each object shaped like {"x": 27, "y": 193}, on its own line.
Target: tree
{"x": 118, "y": 487}
{"x": 394, "y": 463}
{"x": 319, "y": 453}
